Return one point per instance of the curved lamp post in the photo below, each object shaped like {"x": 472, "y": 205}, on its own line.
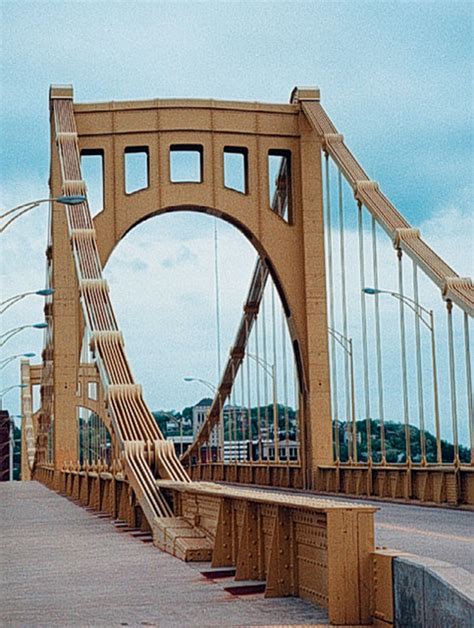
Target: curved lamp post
{"x": 346, "y": 344}
{"x": 44, "y": 292}
{"x": 26, "y": 207}
{"x": 270, "y": 370}
{"x": 16, "y": 330}
{"x": 5, "y": 361}
{"x": 204, "y": 382}
{"x": 7, "y": 389}
{"x": 213, "y": 389}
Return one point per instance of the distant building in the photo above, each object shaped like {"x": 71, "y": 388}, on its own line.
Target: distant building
{"x": 232, "y": 414}
{"x": 287, "y": 450}
{"x": 240, "y": 448}
{"x": 4, "y": 446}
{"x": 181, "y": 443}
{"x": 200, "y": 411}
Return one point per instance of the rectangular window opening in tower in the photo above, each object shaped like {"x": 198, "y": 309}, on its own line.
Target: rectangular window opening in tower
{"x": 236, "y": 168}
{"x": 92, "y": 167}
{"x": 186, "y": 163}
{"x": 279, "y": 183}
{"x": 136, "y": 165}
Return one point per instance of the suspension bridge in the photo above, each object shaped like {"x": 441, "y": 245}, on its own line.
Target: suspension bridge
{"x": 350, "y": 372}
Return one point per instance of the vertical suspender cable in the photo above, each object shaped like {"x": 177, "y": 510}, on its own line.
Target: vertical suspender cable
{"x": 78, "y": 430}
{"x": 353, "y": 403}
{"x": 99, "y": 439}
{"x": 257, "y": 381}
{"x": 89, "y": 438}
{"x": 243, "y": 431}
{"x": 470, "y": 409}
{"x": 249, "y": 397}
{"x": 344, "y": 312}
{"x": 97, "y": 453}
{"x": 232, "y": 417}
{"x": 285, "y": 383}
{"x": 378, "y": 342}
{"x": 331, "y": 315}
{"x": 439, "y": 456}
{"x": 265, "y": 376}
{"x": 93, "y": 436}
{"x": 297, "y": 412}
{"x": 235, "y": 416}
{"x": 221, "y": 431}
{"x": 406, "y": 414}
{"x": 419, "y": 367}
{"x": 220, "y": 435}
{"x": 365, "y": 357}
{"x": 274, "y": 382}
{"x": 96, "y": 437}
{"x": 218, "y": 314}
{"x": 104, "y": 449}
{"x": 452, "y": 381}
{"x": 85, "y": 437}
{"x": 102, "y": 440}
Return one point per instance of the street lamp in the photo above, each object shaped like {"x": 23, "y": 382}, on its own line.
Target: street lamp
{"x": 419, "y": 310}
{"x": 16, "y": 330}
{"x": 270, "y": 370}
{"x": 211, "y": 387}
{"x": 427, "y": 318}
{"x": 26, "y": 207}
{"x": 45, "y": 292}
{"x": 346, "y": 344}
{"x": 5, "y": 361}
{"x": 8, "y": 388}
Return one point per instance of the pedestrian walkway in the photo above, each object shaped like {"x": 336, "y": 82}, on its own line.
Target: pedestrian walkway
{"x": 61, "y": 565}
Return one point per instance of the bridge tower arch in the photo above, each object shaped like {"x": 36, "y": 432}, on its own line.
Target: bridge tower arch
{"x": 291, "y": 248}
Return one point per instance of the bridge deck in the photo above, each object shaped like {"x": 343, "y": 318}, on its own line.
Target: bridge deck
{"x": 61, "y": 565}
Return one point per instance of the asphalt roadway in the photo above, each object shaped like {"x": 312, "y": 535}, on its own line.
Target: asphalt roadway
{"x": 442, "y": 533}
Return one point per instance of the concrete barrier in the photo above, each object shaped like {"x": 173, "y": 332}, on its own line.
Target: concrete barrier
{"x": 429, "y": 593}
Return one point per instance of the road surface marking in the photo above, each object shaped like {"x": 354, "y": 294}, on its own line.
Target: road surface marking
{"x": 451, "y": 537}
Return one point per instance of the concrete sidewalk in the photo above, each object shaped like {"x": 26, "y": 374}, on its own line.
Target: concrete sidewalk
{"x": 60, "y": 565}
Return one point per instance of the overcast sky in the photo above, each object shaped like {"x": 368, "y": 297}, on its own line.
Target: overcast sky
{"x": 396, "y": 77}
